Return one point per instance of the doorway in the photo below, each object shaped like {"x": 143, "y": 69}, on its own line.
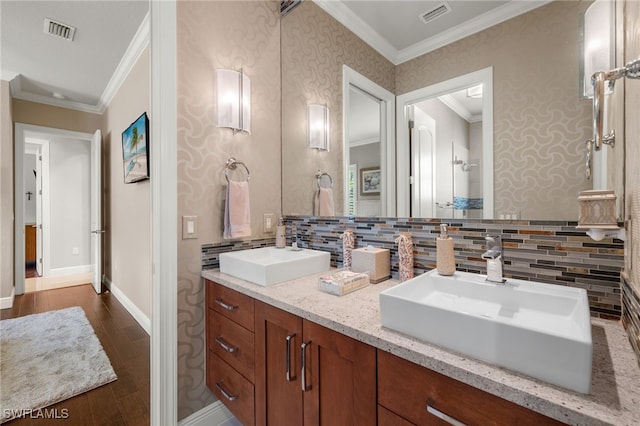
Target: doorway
{"x": 64, "y": 218}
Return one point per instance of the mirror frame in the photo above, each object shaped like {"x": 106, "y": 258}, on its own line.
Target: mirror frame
{"x": 484, "y": 76}
{"x": 387, "y": 137}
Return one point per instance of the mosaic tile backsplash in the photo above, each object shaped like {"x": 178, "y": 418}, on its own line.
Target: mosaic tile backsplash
{"x": 545, "y": 251}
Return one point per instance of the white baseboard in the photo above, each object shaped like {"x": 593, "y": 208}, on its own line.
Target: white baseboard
{"x": 212, "y": 415}
{"x": 72, "y": 270}
{"x": 137, "y": 314}
{"x": 7, "y": 302}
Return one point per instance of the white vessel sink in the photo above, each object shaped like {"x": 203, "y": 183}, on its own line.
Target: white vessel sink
{"x": 269, "y": 265}
{"x": 540, "y": 330}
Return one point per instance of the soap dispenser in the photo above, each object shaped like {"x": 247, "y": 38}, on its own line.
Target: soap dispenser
{"x": 445, "y": 259}
{"x": 281, "y": 234}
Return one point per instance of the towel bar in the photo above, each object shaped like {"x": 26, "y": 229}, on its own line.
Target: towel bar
{"x": 233, "y": 164}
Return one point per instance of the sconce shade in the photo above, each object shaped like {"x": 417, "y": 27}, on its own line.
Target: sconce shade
{"x": 318, "y": 123}
{"x": 233, "y": 100}
{"x": 599, "y": 37}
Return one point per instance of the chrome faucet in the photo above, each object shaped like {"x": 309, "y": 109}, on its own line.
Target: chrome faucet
{"x": 494, "y": 257}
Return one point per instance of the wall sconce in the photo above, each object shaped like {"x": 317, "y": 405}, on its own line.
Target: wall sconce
{"x": 318, "y": 122}
{"x": 233, "y": 100}
{"x": 598, "y": 42}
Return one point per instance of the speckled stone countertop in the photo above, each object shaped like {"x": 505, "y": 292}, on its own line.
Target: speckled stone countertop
{"x": 615, "y": 388}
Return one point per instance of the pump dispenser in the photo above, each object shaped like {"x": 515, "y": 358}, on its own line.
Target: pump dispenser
{"x": 445, "y": 259}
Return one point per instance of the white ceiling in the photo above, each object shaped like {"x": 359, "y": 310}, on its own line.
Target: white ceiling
{"x": 38, "y": 64}
{"x": 110, "y": 35}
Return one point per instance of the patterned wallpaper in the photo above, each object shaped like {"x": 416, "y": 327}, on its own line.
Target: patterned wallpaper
{"x": 314, "y": 47}
{"x": 214, "y": 35}
{"x": 540, "y": 125}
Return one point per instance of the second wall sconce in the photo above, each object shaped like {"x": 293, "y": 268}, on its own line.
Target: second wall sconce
{"x": 318, "y": 126}
{"x": 233, "y": 100}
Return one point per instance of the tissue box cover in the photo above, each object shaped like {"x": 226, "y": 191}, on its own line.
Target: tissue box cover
{"x": 343, "y": 282}
{"x": 372, "y": 260}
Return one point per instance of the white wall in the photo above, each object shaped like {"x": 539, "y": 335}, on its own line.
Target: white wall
{"x": 29, "y": 186}
{"x": 69, "y": 174}
{"x": 6, "y": 193}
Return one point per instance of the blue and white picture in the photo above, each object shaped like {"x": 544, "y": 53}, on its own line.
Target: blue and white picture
{"x": 135, "y": 150}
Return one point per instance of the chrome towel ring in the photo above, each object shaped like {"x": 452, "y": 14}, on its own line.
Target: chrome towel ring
{"x": 233, "y": 164}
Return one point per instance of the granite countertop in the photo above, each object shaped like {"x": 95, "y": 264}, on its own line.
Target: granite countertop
{"x": 615, "y": 388}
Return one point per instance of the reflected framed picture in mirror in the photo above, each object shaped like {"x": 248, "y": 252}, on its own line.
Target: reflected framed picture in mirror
{"x": 370, "y": 181}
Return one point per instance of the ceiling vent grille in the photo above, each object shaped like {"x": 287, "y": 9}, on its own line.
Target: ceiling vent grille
{"x": 59, "y": 29}
{"x": 438, "y": 11}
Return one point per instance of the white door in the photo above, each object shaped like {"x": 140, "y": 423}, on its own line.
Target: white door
{"x": 96, "y": 211}
{"x": 39, "y": 211}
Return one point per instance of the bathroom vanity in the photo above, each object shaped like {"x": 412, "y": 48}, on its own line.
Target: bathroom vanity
{"x": 291, "y": 354}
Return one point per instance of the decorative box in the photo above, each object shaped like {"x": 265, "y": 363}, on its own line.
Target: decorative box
{"x": 597, "y": 209}
{"x": 343, "y": 282}
{"x": 374, "y": 261}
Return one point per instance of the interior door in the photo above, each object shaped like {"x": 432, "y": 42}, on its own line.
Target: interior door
{"x": 96, "y": 211}
{"x": 39, "y": 211}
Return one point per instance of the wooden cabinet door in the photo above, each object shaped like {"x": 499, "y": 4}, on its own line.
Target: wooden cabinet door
{"x": 278, "y": 335}
{"x": 340, "y": 379}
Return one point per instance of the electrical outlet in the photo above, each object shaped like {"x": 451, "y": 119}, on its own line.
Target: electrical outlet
{"x": 75, "y": 251}
{"x": 268, "y": 223}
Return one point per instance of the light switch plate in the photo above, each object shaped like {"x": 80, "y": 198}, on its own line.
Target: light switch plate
{"x": 189, "y": 227}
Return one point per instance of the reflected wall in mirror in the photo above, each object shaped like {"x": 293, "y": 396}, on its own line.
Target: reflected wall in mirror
{"x": 314, "y": 48}
{"x": 445, "y": 149}
{"x": 540, "y": 122}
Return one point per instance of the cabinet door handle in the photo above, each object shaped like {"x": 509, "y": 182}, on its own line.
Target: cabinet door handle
{"x": 220, "y": 302}
{"x": 444, "y": 417}
{"x": 225, "y": 346}
{"x": 225, "y": 393}
{"x": 303, "y": 351}
{"x": 287, "y": 357}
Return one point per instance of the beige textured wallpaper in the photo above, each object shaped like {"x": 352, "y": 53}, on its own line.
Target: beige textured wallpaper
{"x": 127, "y": 207}
{"x": 540, "y": 124}
{"x": 213, "y": 35}
{"x": 314, "y": 48}
{"x": 6, "y": 191}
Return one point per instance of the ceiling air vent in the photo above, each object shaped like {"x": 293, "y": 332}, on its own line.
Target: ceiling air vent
{"x": 438, "y": 11}
{"x": 59, "y": 29}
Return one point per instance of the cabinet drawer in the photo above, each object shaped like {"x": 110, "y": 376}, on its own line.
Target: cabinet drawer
{"x": 389, "y": 418}
{"x": 233, "y": 305}
{"x": 233, "y": 343}
{"x": 407, "y": 388}
{"x": 235, "y": 392}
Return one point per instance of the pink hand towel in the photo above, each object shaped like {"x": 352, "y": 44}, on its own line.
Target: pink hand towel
{"x": 237, "y": 215}
{"x": 324, "y": 203}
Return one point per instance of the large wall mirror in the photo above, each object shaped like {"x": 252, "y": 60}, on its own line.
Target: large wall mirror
{"x": 536, "y": 166}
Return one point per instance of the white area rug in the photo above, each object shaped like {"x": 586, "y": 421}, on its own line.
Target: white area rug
{"x": 47, "y": 358}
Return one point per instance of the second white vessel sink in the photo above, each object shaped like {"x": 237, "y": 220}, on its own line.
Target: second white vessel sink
{"x": 269, "y": 265}
{"x": 541, "y": 330}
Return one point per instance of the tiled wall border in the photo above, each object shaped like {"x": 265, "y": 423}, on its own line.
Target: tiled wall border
{"x": 631, "y": 314}
{"x": 546, "y": 251}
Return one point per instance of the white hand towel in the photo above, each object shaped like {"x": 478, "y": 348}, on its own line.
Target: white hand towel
{"x": 237, "y": 215}
{"x": 324, "y": 203}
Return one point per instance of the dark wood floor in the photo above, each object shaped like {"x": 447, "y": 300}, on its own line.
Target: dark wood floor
{"x": 123, "y": 402}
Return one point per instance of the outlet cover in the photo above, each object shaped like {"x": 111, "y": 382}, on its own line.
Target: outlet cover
{"x": 268, "y": 224}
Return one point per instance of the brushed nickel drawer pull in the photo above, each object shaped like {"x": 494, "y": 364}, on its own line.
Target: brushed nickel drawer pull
{"x": 303, "y": 351}
{"x": 444, "y": 417}
{"x": 225, "y": 346}
{"x": 287, "y": 357}
{"x": 225, "y": 393}
{"x": 220, "y": 302}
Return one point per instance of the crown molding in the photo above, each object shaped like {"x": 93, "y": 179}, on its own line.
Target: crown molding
{"x": 456, "y": 106}
{"x": 136, "y": 47}
{"x": 139, "y": 42}
{"x": 346, "y": 17}
{"x": 475, "y": 25}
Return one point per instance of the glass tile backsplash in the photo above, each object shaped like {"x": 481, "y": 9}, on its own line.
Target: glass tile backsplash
{"x": 552, "y": 252}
